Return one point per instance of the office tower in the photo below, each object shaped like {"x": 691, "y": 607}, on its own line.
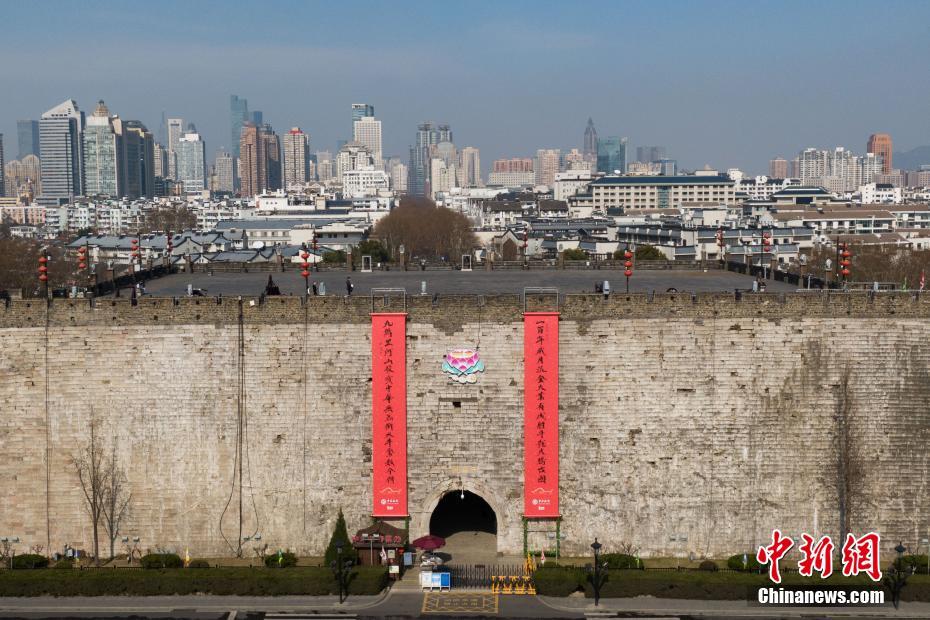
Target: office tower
{"x": 27, "y": 133}
{"x": 469, "y": 174}
{"x": 778, "y": 168}
{"x": 192, "y": 161}
{"x": 517, "y": 164}
{"x": 103, "y": 155}
{"x": 353, "y": 156}
{"x": 224, "y": 169}
{"x": 253, "y": 166}
{"x": 649, "y": 154}
{"x": 360, "y": 111}
{"x": 612, "y": 155}
{"x": 273, "y": 168}
{"x": 60, "y": 151}
{"x": 258, "y": 117}
{"x": 794, "y": 168}
{"x": 22, "y": 177}
{"x": 238, "y": 114}
{"x": 2, "y": 169}
{"x": 548, "y": 164}
{"x": 668, "y": 167}
{"x": 324, "y": 165}
{"x": 590, "y": 140}
{"x": 442, "y": 176}
{"x": 160, "y": 161}
{"x": 880, "y": 144}
{"x": 428, "y": 135}
{"x": 367, "y": 131}
{"x": 175, "y": 131}
{"x": 398, "y": 176}
{"x": 296, "y": 158}
{"x": 139, "y": 158}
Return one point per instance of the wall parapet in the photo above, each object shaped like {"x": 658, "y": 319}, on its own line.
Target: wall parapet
{"x": 451, "y": 310}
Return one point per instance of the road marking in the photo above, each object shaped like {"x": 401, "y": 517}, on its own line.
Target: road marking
{"x": 460, "y": 603}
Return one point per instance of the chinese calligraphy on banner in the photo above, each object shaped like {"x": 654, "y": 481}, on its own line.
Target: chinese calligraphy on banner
{"x": 541, "y": 414}
{"x": 389, "y": 414}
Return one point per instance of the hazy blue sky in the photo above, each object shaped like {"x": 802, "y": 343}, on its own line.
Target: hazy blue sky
{"x": 719, "y": 83}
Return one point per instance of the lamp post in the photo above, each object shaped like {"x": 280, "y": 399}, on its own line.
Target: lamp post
{"x": 43, "y": 271}
{"x": 316, "y": 262}
{"x": 305, "y": 273}
{"x": 628, "y": 264}
{"x": 340, "y": 570}
{"x": 897, "y": 576}
{"x": 597, "y": 574}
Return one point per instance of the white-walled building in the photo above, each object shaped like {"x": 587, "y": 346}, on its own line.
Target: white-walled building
{"x": 657, "y": 192}
{"x": 570, "y": 183}
{"x": 880, "y": 193}
{"x": 365, "y": 182}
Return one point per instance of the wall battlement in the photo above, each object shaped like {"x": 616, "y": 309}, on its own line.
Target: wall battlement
{"x": 450, "y": 310}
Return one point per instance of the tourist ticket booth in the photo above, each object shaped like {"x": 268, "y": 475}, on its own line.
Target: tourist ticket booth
{"x": 380, "y": 544}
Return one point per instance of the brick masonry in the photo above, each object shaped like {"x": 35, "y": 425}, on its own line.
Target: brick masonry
{"x": 688, "y": 424}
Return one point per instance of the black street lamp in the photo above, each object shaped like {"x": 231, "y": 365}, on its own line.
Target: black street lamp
{"x": 341, "y": 572}
{"x": 598, "y": 574}
{"x": 897, "y": 576}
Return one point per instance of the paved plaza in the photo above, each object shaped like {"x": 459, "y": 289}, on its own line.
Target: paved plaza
{"x": 458, "y": 282}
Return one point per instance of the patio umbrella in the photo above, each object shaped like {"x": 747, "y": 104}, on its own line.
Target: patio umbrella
{"x": 429, "y": 542}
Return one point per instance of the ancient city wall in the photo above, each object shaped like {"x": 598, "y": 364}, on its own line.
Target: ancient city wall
{"x": 688, "y": 424}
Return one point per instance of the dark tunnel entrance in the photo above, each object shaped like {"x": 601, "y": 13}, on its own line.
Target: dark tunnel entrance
{"x": 458, "y": 512}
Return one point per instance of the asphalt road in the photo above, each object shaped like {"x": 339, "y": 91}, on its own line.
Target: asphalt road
{"x": 457, "y": 282}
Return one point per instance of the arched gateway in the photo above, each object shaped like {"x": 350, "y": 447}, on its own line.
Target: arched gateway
{"x": 469, "y": 525}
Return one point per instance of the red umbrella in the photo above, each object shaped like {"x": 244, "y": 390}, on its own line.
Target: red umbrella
{"x": 429, "y": 542}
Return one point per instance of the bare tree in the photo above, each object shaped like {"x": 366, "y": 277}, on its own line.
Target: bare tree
{"x": 115, "y": 500}
{"x": 175, "y": 218}
{"x": 92, "y": 473}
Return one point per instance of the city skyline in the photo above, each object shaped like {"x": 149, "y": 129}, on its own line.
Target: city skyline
{"x": 701, "y": 109}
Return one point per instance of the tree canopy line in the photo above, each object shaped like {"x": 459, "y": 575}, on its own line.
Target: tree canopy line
{"x": 874, "y": 263}
{"x": 425, "y": 231}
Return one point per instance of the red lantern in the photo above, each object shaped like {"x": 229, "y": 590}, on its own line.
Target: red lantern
{"x": 305, "y": 273}
{"x": 43, "y": 269}
{"x": 304, "y": 255}
{"x": 82, "y": 265}
{"x": 43, "y": 260}
{"x": 628, "y": 264}
{"x": 304, "y": 265}
{"x": 43, "y": 278}
{"x": 628, "y": 272}
{"x": 845, "y": 273}
{"x": 627, "y": 255}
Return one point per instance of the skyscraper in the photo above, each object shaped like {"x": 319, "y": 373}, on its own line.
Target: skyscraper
{"x": 428, "y": 135}
{"x": 589, "y": 150}
{"x": 880, "y": 144}
{"x": 778, "y": 168}
{"x": 296, "y": 158}
{"x": 139, "y": 158}
{"x": 324, "y": 165}
{"x": 548, "y": 163}
{"x": 192, "y": 161}
{"x": 257, "y": 117}
{"x": 60, "y": 150}
{"x": 238, "y": 114}
{"x": 272, "y": 157}
{"x": 360, "y": 111}
{"x": 367, "y": 131}
{"x": 649, "y": 154}
{"x": 160, "y": 161}
{"x": 253, "y": 167}
{"x": 612, "y": 155}
{"x": 175, "y": 131}
{"x": 225, "y": 170}
{"x": 469, "y": 174}
{"x": 352, "y": 156}
{"x": 103, "y": 155}
{"x": 27, "y": 133}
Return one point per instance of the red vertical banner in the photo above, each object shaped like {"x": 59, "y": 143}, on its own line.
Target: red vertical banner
{"x": 389, "y": 414}
{"x": 541, "y": 414}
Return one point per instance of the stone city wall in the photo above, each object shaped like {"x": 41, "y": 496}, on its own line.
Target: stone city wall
{"x": 688, "y": 424}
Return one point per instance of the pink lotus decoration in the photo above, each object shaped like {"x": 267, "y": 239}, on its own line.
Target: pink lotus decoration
{"x": 462, "y": 363}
